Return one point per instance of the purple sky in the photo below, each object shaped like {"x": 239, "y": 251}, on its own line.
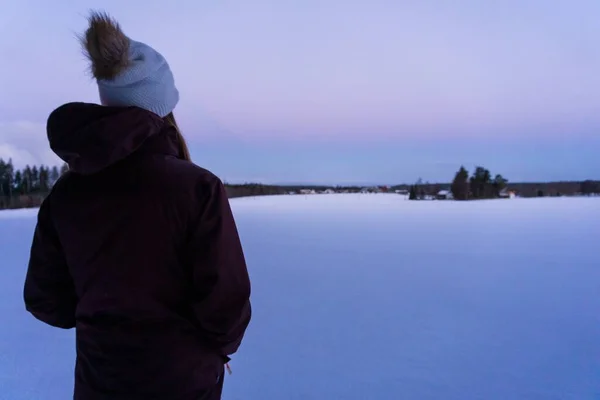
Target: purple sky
{"x": 337, "y": 91}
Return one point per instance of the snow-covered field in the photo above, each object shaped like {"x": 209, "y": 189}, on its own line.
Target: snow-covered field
{"x": 373, "y": 297}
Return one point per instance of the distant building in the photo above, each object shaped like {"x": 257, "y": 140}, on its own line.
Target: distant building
{"x": 444, "y": 195}
{"x": 307, "y": 191}
{"x": 507, "y": 194}
{"x": 403, "y": 192}
{"x": 328, "y": 191}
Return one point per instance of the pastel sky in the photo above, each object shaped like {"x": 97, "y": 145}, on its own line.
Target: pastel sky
{"x": 336, "y": 91}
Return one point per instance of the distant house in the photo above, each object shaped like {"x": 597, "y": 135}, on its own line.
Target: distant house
{"x": 403, "y": 192}
{"x": 371, "y": 189}
{"x": 307, "y": 191}
{"x": 328, "y": 191}
{"x": 444, "y": 195}
{"x": 507, "y": 194}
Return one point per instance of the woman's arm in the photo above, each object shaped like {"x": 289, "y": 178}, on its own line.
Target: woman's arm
{"x": 221, "y": 301}
{"x": 49, "y": 292}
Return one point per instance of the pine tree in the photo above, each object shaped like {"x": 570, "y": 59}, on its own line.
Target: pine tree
{"x": 419, "y": 191}
{"x": 35, "y": 179}
{"x": 10, "y": 177}
{"x": 499, "y": 184}
{"x": 460, "y": 184}
{"x": 481, "y": 183}
{"x": 44, "y": 179}
{"x": 27, "y": 180}
{"x": 413, "y": 193}
{"x": 3, "y": 181}
{"x": 19, "y": 186}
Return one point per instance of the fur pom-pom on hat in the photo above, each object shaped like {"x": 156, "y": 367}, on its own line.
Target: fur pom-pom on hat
{"x": 106, "y": 46}
{"x": 128, "y": 72}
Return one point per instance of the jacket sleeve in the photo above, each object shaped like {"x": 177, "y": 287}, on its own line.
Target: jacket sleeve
{"x": 221, "y": 295}
{"x": 49, "y": 292}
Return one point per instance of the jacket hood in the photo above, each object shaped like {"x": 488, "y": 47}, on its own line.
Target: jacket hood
{"x": 91, "y": 137}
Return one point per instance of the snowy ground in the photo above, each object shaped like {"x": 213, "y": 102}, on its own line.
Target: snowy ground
{"x": 374, "y": 297}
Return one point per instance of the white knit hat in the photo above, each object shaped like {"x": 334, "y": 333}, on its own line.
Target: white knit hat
{"x": 128, "y": 73}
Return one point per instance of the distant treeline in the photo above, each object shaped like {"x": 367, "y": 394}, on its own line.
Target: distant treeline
{"x": 29, "y": 186}
{"x": 26, "y": 187}
{"x": 258, "y": 189}
{"x": 561, "y": 188}
{"x": 481, "y": 185}
{"x": 523, "y": 189}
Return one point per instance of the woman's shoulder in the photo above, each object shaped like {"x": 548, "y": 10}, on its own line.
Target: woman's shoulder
{"x": 186, "y": 176}
{"x": 192, "y": 172}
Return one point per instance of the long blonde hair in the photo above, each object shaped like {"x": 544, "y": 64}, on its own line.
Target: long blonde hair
{"x": 184, "y": 151}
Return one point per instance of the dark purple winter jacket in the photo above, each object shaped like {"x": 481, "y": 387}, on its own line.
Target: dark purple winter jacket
{"x": 138, "y": 250}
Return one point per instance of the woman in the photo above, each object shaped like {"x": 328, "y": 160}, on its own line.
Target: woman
{"x": 136, "y": 247}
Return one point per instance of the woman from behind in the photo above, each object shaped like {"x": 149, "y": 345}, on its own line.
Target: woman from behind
{"x": 136, "y": 247}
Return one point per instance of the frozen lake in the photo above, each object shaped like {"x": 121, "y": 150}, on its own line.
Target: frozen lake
{"x": 374, "y": 297}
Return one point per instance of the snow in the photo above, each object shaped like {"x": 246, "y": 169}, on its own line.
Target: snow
{"x": 374, "y": 297}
